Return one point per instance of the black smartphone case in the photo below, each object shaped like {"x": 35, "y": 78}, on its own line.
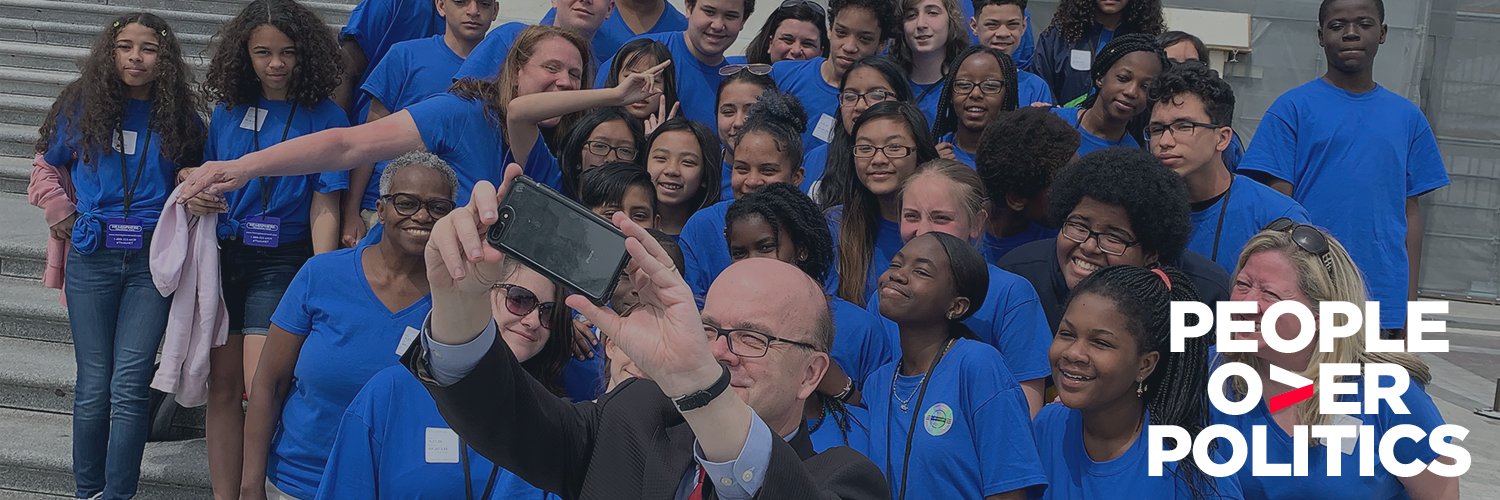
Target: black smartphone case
{"x": 499, "y": 236}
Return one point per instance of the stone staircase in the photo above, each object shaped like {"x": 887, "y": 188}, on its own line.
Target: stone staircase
{"x": 40, "y": 44}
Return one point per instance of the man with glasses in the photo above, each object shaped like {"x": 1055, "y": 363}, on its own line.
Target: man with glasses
{"x": 857, "y": 29}
{"x": 765, "y": 331}
{"x": 1188, "y": 132}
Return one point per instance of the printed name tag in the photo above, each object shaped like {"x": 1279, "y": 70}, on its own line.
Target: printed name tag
{"x": 1081, "y": 60}
{"x": 1346, "y": 444}
{"x": 407, "y": 338}
{"x": 442, "y": 446}
{"x": 254, "y": 118}
{"x": 262, "y": 231}
{"x": 124, "y": 233}
{"x": 125, "y": 141}
{"x": 824, "y": 130}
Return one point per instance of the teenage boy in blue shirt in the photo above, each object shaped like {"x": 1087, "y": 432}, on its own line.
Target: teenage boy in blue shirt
{"x": 579, "y": 16}
{"x": 631, "y": 18}
{"x": 1004, "y": 25}
{"x": 1189, "y": 131}
{"x": 1356, "y": 155}
{"x": 698, "y": 53}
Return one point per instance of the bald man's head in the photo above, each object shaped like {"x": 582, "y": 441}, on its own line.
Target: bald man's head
{"x": 778, "y": 295}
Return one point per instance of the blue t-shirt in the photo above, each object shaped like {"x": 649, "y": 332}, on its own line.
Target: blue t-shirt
{"x": 1073, "y": 475}
{"x": 382, "y": 449}
{"x": 825, "y": 432}
{"x": 926, "y": 98}
{"x": 377, "y": 25}
{"x": 614, "y": 32}
{"x": 1353, "y": 160}
{"x": 1349, "y": 484}
{"x": 804, "y": 79}
{"x": 726, "y": 176}
{"x": 697, "y": 83}
{"x": 232, "y": 134}
{"x": 1011, "y": 320}
{"x": 860, "y": 344}
{"x": 1031, "y": 89}
{"x": 100, "y": 187}
{"x": 464, "y": 133}
{"x": 974, "y": 435}
{"x": 413, "y": 70}
{"x": 1235, "y": 154}
{"x": 1251, "y": 205}
{"x": 993, "y": 247}
{"x": 887, "y": 243}
{"x": 583, "y": 380}
{"x": 814, "y": 165}
{"x": 705, "y": 252}
{"x": 1088, "y": 142}
{"x": 348, "y": 336}
{"x": 959, "y": 154}
{"x": 485, "y": 60}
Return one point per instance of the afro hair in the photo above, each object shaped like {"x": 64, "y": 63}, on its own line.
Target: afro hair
{"x": 1153, "y": 197}
{"x": 1020, "y": 153}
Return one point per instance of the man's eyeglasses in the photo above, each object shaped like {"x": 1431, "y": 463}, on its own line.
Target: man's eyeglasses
{"x": 749, "y": 343}
{"x": 1310, "y": 239}
{"x": 407, "y": 205}
{"x": 520, "y": 301}
{"x": 596, "y": 148}
{"x": 1108, "y": 243}
{"x": 871, "y": 97}
{"x": 987, "y": 87}
{"x": 892, "y": 151}
{"x": 756, "y": 69}
{"x": 1178, "y": 128}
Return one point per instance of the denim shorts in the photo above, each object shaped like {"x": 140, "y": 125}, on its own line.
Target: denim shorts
{"x": 255, "y": 278}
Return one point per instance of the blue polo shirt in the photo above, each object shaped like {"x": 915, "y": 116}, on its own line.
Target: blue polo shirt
{"x": 804, "y": 79}
{"x": 1353, "y": 160}
{"x": 614, "y": 32}
{"x": 1245, "y": 209}
{"x": 1088, "y": 142}
{"x": 697, "y": 83}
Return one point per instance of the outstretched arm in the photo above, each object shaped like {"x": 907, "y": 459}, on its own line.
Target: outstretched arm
{"x": 525, "y": 112}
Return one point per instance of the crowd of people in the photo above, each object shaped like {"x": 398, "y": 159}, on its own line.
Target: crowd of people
{"x": 951, "y": 243}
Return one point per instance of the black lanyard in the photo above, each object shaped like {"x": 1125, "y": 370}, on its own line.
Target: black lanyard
{"x": 489, "y": 486}
{"x": 912, "y": 428}
{"x": 1219, "y": 230}
{"x": 140, "y": 167}
{"x": 265, "y": 182}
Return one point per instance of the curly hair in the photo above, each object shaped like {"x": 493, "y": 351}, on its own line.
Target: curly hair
{"x": 1153, "y": 197}
{"x": 92, "y": 107}
{"x": 958, "y": 38}
{"x": 946, "y": 120}
{"x": 1193, "y": 77}
{"x": 231, "y": 78}
{"x": 782, "y": 117}
{"x": 1075, "y": 18}
{"x": 1021, "y": 153}
{"x": 758, "y": 52}
{"x": 886, "y": 15}
{"x": 783, "y": 206}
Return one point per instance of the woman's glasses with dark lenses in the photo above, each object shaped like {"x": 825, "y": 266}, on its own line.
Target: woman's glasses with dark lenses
{"x": 521, "y": 301}
{"x": 1310, "y": 239}
{"x": 596, "y": 148}
{"x": 1110, "y": 244}
{"x": 408, "y": 204}
{"x": 756, "y": 69}
{"x": 749, "y": 343}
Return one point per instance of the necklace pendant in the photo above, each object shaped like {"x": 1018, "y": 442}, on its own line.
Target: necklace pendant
{"x": 903, "y": 406}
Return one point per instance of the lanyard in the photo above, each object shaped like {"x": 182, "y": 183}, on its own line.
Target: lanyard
{"x": 140, "y": 167}
{"x": 1219, "y": 230}
{"x": 489, "y": 486}
{"x": 265, "y": 182}
{"x": 912, "y": 428}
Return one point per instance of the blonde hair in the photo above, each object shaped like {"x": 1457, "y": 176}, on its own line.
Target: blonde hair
{"x": 498, "y": 93}
{"x": 969, "y": 188}
{"x": 1344, "y": 283}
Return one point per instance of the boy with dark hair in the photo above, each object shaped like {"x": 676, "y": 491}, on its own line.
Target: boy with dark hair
{"x": 1189, "y": 131}
{"x": 629, "y": 19}
{"x": 1017, "y": 158}
{"x": 583, "y": 17}
{"x": 1004, "y": 25}
{"x": 856, "y": 29}
{"x": 1356, "y": 155}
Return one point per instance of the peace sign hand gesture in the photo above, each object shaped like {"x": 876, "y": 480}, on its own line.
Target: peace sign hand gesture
{"x": 637, "y": 87}
{"x": 660, "y": 116}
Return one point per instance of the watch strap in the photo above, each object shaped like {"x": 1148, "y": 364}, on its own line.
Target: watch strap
{"x": 701, "y": 398}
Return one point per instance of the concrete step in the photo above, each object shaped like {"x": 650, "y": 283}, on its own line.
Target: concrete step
{"x": 36, "y": 457}
{"x": 29, "y": 311}
{"x": 40, "y": 376}
{"x": 25, "y": 110}
{"x": 15, "y": 174}
{"x": 17, "y": 140}
{"x": 30, "y": 56}
{"x": 79, "y": 35}
{"x": 96, "y": 15}
{"x": 335, "y": 12}
{"x": 33, "y": 82}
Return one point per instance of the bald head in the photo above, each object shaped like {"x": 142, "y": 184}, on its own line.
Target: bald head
{"x": 778, "y": 296}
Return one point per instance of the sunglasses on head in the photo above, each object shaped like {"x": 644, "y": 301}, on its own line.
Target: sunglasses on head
{"x": 756, "y": 69}
{"x": 1310, "y": 239}
{"x": 520, "y": 301}
{"x": 809, "y": 3}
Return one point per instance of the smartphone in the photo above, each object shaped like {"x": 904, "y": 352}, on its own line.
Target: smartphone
{"x": 560, "y": 239}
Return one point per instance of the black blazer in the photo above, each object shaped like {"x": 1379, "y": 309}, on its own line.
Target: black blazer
{"x": 632, "y": 443}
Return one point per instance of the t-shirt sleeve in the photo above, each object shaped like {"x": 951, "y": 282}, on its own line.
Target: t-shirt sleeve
{"x": 351, "y": 469}
{"x": 370, "y": 18}
{"x": 1001, "y": 423}
{"x": 330, "y": 182}
{"x": 387, "y": 81}
{"x": 295, "y": 313}
{"x": 542, "y": 167}
{"x": 1025, "y": 337}
{"x": 440, "y": 120}
{"x": 1424, "y": 163}
{"x": 1273, "y": 151}
{"x": 694, "y": 244}
{"x": 1298, "y": 213}
{"x": 1422, "y": 413}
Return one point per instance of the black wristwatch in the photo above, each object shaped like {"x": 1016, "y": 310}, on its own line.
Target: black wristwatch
{"x": 699, "y": 399}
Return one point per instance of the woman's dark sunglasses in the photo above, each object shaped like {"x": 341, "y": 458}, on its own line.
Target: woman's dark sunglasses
{"x": 1310, "y": 239}
{"x": 407, "y": 205}
{"x": 520, "y": 301}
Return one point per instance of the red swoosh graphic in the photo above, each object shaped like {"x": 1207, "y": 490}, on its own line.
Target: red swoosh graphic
{"x": 1288, "y": 398}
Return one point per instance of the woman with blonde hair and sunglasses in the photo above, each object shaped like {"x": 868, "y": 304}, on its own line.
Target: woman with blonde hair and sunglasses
{"x": 1291, "y": 261}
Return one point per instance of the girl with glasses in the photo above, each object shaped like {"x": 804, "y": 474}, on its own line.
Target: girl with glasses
{"x": 933, "y": 34}
{"x": 383, "y": 438}
{"x": 947, "y": 418}
{"x": 272, "y": 71}
{"x": 856, "y": 30}
{"x": 981, "y": 87}
{"x": 1114, "y": 114}
{"x": 1113, "y": 207}
{"x": 342, "y": 320}
{"x": 868, "y": 81}
{"x": 947, "y": 197}
{"x": 796, "y": 31}
{"x": 1291, "y": 261}
{"x": 889, "y": 140}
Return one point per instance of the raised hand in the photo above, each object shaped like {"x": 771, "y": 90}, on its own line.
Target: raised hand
{"x": 661, "y": 115}
{"x": 637, "y": 87}
{"x": 462, "y": 266}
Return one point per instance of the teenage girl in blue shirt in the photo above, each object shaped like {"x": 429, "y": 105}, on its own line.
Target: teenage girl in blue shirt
{"x": 740, "y": 88}
{"x": 120, "y": 132}
{"x": 272, "y": 71}
{"x": 385, "y": 438}
{"x": 1116, "y": 376}
{"x": 933, "y": 33}
{"x": 868, "y": 81}
{"x": 947, "y": 418}
{"x": 980, "y": 88}
{"x": 856, "y": 29}
{"x": 1114, "y": 114}
{"x": 795, "y": 31}
{"x": 346, "y": 315}
{"x": 683, "y": 158}
{"x": 637, "y": 56}
{"x": 1067, "y": 51}
{"x": 889, "y": 140}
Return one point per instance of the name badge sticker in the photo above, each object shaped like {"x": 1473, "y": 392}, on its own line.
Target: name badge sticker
{"x": 1081, "y": 60}
{"x": 824, "y": 130}
{"x": 125, "y": 141}
{"x": 442, "y": 446}
{"x": 262, "y": 231}
{"x": 407, "y": 337}
{"x": 124, "y": 233}
{"x": 254, "y": 118}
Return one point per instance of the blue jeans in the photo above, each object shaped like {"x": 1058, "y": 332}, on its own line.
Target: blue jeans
{"x": 118, "y": 319}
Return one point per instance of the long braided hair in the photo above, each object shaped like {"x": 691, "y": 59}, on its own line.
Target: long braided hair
{"x": 1175, "y": 393}
{"x": 1117, "y": 49}
{"x": 946, "y": 120}
{"x": 783, "y": 206}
